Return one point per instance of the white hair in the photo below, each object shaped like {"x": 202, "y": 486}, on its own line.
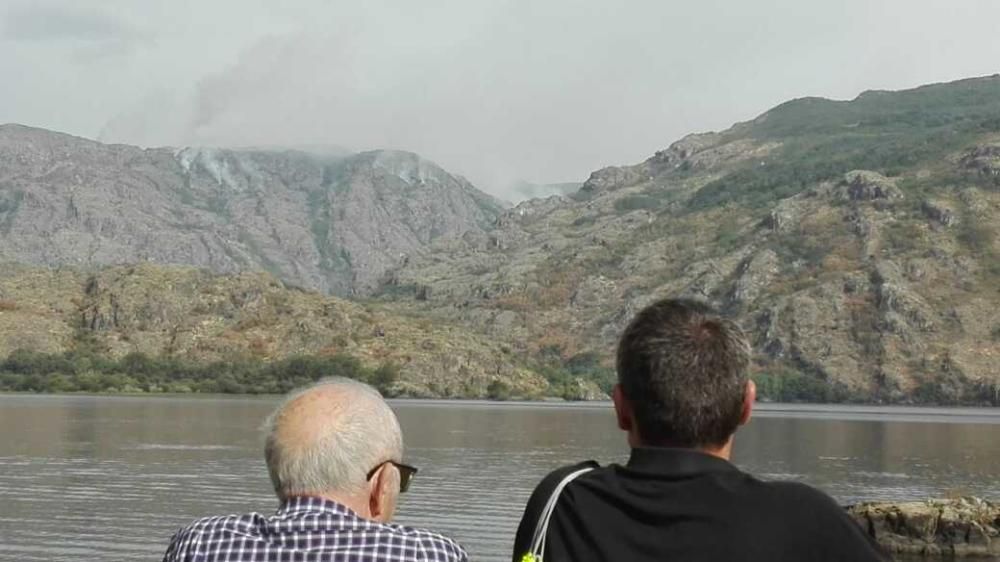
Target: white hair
{"x": 340, "y": 455}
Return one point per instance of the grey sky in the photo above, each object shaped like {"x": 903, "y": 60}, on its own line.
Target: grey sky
{"x": 543, "y": 90}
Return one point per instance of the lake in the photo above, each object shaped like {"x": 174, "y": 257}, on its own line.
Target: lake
{"x": 111, "y": 478}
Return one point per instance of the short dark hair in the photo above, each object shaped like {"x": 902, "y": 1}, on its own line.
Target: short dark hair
{"x": 683, "y": 368}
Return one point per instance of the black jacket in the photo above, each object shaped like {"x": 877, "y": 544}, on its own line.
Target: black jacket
{"x": 684, "y": 505}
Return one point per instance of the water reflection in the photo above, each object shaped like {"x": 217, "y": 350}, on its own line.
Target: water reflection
{"x": 111, "y": 478}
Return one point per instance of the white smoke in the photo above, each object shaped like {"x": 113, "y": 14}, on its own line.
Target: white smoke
{"x": 508, "y": 90}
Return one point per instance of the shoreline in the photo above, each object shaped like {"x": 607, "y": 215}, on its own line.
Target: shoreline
{"x": 763, "y": 410}
{"x": 546, "y": 401}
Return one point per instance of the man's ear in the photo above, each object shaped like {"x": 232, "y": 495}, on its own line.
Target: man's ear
{"x": 623, "y": 410}
{"x": 381, "y": 503}
{"x": 749, "y": 398}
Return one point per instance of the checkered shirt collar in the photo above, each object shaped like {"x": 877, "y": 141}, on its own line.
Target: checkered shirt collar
{"x": 297, "y": 505}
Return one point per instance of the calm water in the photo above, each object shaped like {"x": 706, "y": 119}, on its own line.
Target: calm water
{"x": 106, "y": 478}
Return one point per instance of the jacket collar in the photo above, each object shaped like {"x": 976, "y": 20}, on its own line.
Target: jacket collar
{"x": 668, "y": 461}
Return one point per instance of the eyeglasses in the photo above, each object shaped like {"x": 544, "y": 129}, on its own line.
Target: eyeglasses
{"x": 406, "y": 473}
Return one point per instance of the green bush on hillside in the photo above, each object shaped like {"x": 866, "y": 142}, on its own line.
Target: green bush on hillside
{"x": 498, "y": 390}
{"x": 562, "y": 374}
{"x": 948, "y": 388}
{"x": 795, "y": 386}
{"x": 636, "y": 203}
{"x": 978, "y": 236}
{"x": 80, "y": 371}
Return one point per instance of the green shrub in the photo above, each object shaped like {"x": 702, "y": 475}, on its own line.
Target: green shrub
{"x": 950, "y": 388}
{"x": 636, "y": 203}
{"x": 810, "y": 249}
{"x": 977, "y": 236}
{"x": 498, "y": 390}
{"x": 587, "y": 365}
{"x": 794, "y": 386}
{"x": 988, "y": 394}
{"x": 72, "y": 371}
{"x": 384, "y": 377}
{"x": 935, "y": 392}
{"x": 728, "y": 236}
{"x": 562, "y": 374}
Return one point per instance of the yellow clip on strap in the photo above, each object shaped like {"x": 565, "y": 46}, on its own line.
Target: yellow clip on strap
{"x": 538, "y": 541}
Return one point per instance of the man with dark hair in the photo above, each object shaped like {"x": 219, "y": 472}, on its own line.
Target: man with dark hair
{"x": 683, "y": 391}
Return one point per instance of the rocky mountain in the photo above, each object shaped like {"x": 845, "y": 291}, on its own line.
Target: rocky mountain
{"x": 332, "y": 223}
{"x": 193, "y": 315}
{"x": 858, "y": 241}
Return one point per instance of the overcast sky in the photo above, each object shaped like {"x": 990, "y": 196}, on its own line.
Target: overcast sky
{"x": 542, "y": 90}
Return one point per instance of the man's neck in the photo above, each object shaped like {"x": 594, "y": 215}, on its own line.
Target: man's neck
{"x": 725, "y": 452}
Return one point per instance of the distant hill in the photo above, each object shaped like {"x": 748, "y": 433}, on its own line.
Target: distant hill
{"x": 333, "y": 223}
{"x": 857, "y": 240}
{"x": 185, "y": 321}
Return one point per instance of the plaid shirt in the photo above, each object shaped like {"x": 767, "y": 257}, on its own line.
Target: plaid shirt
{"x": 305, "y": 530}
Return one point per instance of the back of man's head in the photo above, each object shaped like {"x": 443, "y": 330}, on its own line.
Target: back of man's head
{"x": 326, "y": 438}
{"x": 683, "y": 370}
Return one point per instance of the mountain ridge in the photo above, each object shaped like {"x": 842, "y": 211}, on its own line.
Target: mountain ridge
{"x": 66, "y": 199}
{"x": 857, "y": 242}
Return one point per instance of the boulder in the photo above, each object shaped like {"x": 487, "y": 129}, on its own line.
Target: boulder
{"x": 938, "y": 212}
{"x": 863, "y": 185}
{"x": 610, "y": 178}
{"x": 959, "y": 528}
{"x": 984, "y": 159}
{"x": 687, "y": 147}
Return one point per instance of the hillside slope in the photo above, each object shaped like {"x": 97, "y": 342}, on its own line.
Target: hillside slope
{"x": 857, "y": 241}
{"x": 331, "y": 223}
{"x": 192, "y": 315}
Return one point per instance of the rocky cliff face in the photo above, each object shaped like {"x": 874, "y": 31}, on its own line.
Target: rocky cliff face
{"x": 335, "y": 224}
{"x": 858, "y": 241}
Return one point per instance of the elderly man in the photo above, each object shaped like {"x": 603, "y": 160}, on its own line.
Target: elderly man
{"x": 334, "y": 451}
{"x": 683, "y": 391}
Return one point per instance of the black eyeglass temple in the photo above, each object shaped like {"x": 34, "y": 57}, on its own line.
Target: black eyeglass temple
{"x": 402, "y": 467}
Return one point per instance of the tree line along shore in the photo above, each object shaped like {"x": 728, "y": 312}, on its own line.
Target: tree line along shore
{"x": 572, "y": 380}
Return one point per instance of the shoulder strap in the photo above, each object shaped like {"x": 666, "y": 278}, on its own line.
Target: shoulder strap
{"x": 538, "y": 541}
